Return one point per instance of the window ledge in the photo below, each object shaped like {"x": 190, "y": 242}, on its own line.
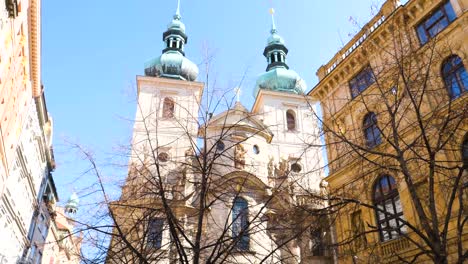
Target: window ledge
{"x": 294, "y": 131}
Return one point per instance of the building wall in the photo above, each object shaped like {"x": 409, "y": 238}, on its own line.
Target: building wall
{"x": 19, "y": 75}
{"x": 350, "y": 175}
{"x": 20, "y": 199}
{"x": 264, "y": 127}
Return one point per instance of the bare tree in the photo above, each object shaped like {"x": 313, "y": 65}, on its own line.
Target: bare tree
{"x": 400, "y": 140}
{"x": 199, "y": 195}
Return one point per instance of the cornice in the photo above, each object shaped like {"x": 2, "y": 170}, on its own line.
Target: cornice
{"x": 170, "y": 83}
{"x": 35, "y": 45}
{"x": 262, "y": 93}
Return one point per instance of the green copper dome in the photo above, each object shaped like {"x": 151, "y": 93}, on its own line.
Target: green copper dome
{"x": 72, "y": 204}
{"x": 275, "y": 38}
{"x": 278, "y": 76}
{"x": 176, "y": 23}
{"x": 282, "y": 80}
{"x": 172, "y": 63}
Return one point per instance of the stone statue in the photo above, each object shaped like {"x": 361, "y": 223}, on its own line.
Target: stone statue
{"x": 188, "y": 156}
{"x": 271, "y": 168}
{"x": 282, "y": 171}
{"x": 239, "y": 157}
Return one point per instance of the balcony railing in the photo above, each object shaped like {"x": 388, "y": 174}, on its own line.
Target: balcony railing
{"x": 393, "y": 247}
{"x": 366, "y": 32}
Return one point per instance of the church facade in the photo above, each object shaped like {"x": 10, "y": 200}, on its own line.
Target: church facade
{"x": 239, "y": 186}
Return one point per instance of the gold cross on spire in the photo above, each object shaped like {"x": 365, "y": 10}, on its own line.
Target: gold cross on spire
{"x": 273, "y": 26}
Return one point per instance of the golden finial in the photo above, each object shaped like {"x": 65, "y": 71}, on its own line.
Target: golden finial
{"x": 273, "y": 26}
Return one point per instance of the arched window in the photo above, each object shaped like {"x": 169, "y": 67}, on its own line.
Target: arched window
{"x": 168, "y": 108}
{"x": 390, "y": 211}
{"x": 240, "y": 222}
{"x": 291, "y": 120}
{"x": 371, "y": 130}
{"x": 455, "y": 76}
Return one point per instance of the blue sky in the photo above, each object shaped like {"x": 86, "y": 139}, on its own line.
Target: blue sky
{"x": 92, "y": 51}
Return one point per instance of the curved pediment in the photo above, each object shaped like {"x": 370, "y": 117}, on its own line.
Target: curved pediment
{"x": 238, "y": 119}
{"x": 240, "y": 181}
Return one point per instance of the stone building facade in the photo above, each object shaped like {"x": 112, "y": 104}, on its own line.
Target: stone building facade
{"x": 388, "y": 88}
{"x": 27, "y": 189}
{"x": 262, "y": 169}
{"x": 19, "y": 74}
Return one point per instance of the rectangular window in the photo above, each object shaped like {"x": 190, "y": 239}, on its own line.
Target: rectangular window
{"x": 436, "y": 22}
{"x": 361, "y": 81}
{"x": 155, "y": 231}
{"x": 317, "y": 242}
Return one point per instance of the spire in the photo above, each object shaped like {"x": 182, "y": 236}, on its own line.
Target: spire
{"x": 72, "y": 205}
{"x": 275, "y": 51}
{"x": 273, "y": 26}
{"x": 177, "y": 13}
{"x": 278, "y": 76}
{"x": 172, "y": 62}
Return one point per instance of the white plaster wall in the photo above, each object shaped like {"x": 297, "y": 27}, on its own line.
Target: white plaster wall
{"x": 22, "y": 188}
{"x": 294, "y": 144}
{"x": 173, "y": 136}
{"x": 220, "y": 218}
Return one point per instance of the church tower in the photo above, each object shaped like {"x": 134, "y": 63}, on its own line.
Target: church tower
{"x": 283, "y": 107}
{"x": 237, "y": 199}
{"x": 168, "y": 99}
{"x": 164, "y": 133}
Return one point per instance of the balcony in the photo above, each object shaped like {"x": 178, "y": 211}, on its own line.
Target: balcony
{"x": 393, "y": 247}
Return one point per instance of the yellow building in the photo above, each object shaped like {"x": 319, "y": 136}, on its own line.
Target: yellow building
{"x": 394, "y": 109}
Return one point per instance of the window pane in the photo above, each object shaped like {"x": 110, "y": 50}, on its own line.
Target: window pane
{"x": 389, "y": 201}
{"x": 438, "y": 27}
{"x": 392, "y": 182}
{"x": 398, "y": 207}
{"x": 454, "y": 87}
{"x": 361, "y": 81}
{"x": 376, "y": 135}
{"x": 389, "y": 207}
{"x": 384, "y": 184}
{"x": 455, "y": 76}
{"x": 240, "y": 224}
{"x": 463, "y": 76}
{"x": 317, "y": 242}
{"x": 434, "y": 24}
{"x": 380, "y": 214}
{"x": 422, "y": 34}
{"x": 434, "y": 18}
{"x": 155, "y": 230}
{"x": 291, "y": 120}
{"x": 386, "y": 235}
{"x": 449, "y": 11}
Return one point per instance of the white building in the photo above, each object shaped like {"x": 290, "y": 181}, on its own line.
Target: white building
{"x": 27, "y": 191}
{"x": 29, "y": 185}
{"x": 263, "y": 171}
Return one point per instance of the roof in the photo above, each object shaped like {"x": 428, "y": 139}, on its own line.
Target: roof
{"x": 240, "y": 118}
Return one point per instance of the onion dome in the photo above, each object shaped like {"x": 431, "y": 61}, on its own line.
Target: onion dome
{"x": 172, "y": 63}
{"x": 72, "y": 205}
{"x": 278, "y": 76}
